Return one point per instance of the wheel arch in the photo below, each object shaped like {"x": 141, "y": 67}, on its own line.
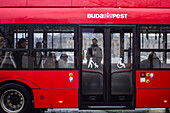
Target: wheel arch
{"x": 19, "y": 83}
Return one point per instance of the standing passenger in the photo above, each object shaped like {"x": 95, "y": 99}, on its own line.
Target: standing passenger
{"x": 94, "y": 53}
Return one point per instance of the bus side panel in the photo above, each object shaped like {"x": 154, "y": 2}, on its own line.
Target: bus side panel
{"x": 165, "y": 3}
{"x": 54, "y": 98}
{"x": 13, "y": 3}
{"x": 43, "y": 78}
{"x": 153, "y": 98}
{"x": 138, "y": 3}
{"x": 84, "y": 15}
{"x": 94, "y": 3}
{"x": 152, "y": 89}
{"x": 35, "y": 77}
{"x": 49, "y": 3}
{"x": 160, "y": 79}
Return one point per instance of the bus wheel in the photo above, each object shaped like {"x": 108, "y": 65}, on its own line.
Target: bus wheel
{"x": 14, "y": 98}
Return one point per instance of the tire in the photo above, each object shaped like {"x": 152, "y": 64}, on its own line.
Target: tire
{"x": 14, "y": 98}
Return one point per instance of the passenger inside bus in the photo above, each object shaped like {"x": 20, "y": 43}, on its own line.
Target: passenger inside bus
{"x": 2, "y": 45}
{"x": 20, "y": 57}
{"x": 38, "y": 61}
{"x": 94, "y": 53}
{"x": 62, "y": 62}
{"x": 152, "y": 62}
{"x": 50, "y": 61}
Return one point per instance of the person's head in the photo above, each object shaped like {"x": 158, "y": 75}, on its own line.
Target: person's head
{"x": 2, "y": 42}
{"x": 152, "y": 55}
{"x": 64, "y": 57}
{"x": 22, "y": 43}
{"x": 38, "y": 45}
{"x": 94, "y": 41}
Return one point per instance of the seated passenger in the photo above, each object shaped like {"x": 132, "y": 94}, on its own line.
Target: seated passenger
{"x": 38, "y": 61}
{"x": 6, "y": 58}
{"x": 20, "y": 57}
{"x": 2, "y": 45}
{"x": 62, "y": 62}
{"x": 50, "y": 61}
{"x": 152, "y": 62}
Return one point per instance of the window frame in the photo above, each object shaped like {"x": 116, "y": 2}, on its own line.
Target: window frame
{"x": 139, "y": 49}
{"x": 30, "y": 31}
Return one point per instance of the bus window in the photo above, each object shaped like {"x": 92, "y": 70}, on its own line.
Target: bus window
{"x": 22, "y": 47}
{"x": 168, "y": 40}
{"x": 92, "y": 61}
{"x": 154, "y": 47}
{"x": 53, "y": 37}
{"x": 56, "y": 60}
{"x": 14, "y": 45}
{"x": 121, "y": 62}
{"x": 151, "y": 38}
{"x": 38, "y": 38}
{"x": 151, "y": 59}
{"x": 60, "y": 40}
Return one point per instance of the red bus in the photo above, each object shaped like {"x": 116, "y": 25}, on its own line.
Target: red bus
{"x": 105, "y": 54}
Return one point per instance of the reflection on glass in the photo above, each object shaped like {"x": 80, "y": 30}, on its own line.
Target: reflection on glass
{"x": 38, "y": 37}
{"x": 168, "y": 58}
{"x": 92, "y": 62}
{"x": 121, "y": 63}
{"x": 93, "y": 49}
{"x": 128, "y": 40}
{"x": 115, "y": 48}
{"x": 168, "y": 40}
{"x": 44, "y": 37}
{"x": 60, "y": 40}
{"x": 7, "y": 60}
{"x": 151, "y": 59}
{"x": 59, "y": 60}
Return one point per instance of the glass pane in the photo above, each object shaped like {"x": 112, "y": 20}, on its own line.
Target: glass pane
{"x": 121, "y": 83}
{"x": 60, "y": 40}
{"x": 92, "y": 63}
{"x": 54, "y": 37}
{"x": 127, "y": 40}
{"x": 168, "y": 57}
{"x": 168, "y": 40}
{"x": 13, "y": 36}
{"x": 167, "y": 63}
{"x": 118, "y": 55}
{"x": 38, "y": 40}
{"x": 15, "y": 59}
{"x": 151, "y": 59}
{"x": 151, "y": 37}
{"x": 115, "y": 48}
{"x": 21, "y": 59}
{"x": 121, "y": 63}
{"x": 7, "y": 60}
{"x": 52, "y": 60}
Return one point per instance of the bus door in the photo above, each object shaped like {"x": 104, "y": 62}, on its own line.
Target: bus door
{"x": 106, "y": 67}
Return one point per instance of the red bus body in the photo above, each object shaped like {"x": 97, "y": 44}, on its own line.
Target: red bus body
{"x": 53, "y": 85}
{"x": 57, "y": 88}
